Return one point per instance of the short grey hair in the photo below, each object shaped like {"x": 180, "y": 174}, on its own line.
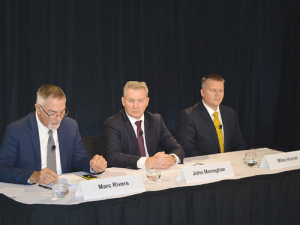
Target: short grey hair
{"x": 213, "y": 76}
{"x": 49, "y": 90}
{"x": 135, "y": 85}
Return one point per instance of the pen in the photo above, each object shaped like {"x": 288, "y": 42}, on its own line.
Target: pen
{"x": 42, "y": 186}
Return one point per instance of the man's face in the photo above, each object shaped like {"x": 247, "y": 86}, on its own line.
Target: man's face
{"x": 52, "y": 106}
{"x": 135, "y": 102}
{"x": 213, "y": 93}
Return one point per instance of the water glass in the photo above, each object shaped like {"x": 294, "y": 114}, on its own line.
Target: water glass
{"x": 61, "y": 188}
{"x": 251, "y": 159}
{"x": 153, "y": 172}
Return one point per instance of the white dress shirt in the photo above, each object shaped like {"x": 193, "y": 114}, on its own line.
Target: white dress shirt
{"x": 44, "y": 136}
{"x": 211, "y": 112}
{"x": 142, "y": 160}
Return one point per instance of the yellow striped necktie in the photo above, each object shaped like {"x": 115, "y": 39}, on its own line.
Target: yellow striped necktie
{"x": 219, "y": 130}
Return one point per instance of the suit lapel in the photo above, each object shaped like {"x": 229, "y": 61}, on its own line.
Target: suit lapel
{"x": 148, "y": 134}
{"x": 62, "y": 147}
{"x": 35, "y": 140}
{"x": 210, "y": 124}
{"x": 225, "y": 124}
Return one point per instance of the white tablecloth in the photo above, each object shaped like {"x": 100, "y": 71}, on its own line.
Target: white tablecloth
{"x": 33, "y": 194}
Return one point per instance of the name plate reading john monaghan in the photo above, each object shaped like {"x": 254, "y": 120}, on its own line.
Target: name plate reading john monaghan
{"x": 281, "y": 160}
{"x": 108, "y": 187}
{"x": 192, "y": 174}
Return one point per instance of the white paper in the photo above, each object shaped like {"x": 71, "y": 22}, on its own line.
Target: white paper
{"x": 282, "y": 160}
{"x": 102, "y": 188}
{"x": 206, "y": 172}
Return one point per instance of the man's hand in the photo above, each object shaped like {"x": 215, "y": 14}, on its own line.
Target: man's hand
{"x": 98, "y": 163}
{"x": 44, "y": 176}
{"x": 160, "y": 158}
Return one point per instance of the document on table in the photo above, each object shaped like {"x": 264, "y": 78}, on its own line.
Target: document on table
{"x": 71, "y": 178}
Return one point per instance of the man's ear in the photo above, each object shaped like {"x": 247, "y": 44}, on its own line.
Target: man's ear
{"x": 201, "y": 92}
{"x": 123, "y": 101}
{"x": 37, "y": 108}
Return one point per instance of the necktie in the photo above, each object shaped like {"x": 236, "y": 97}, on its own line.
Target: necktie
{"x": 219, "y": 131}
{"x": 51, "y": 155}
{"x": 140, "y": 138}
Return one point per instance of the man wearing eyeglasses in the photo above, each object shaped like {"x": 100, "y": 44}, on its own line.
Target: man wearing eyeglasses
{"x": 45, "y": 143}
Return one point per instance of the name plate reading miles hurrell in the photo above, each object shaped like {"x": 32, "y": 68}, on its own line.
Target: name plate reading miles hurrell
{"x": 109, "y": 187}
{"x": 192, "y": 174}
{"x": 281, "y": 160}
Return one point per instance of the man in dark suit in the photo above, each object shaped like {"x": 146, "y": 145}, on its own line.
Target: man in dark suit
{"x": 134, "y": 137}
{"x": 45, "y": 143}
{"x": 208, "y": 127}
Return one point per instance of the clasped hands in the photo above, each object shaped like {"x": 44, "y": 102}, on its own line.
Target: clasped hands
{"x": 48, "y": 176}
{"x": 165, "y": 161}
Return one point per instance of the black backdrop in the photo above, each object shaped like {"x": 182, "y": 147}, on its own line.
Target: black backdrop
{"x": 92, "y": 48}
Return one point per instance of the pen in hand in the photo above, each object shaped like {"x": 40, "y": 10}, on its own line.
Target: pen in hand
{"x": 43, "y": 186}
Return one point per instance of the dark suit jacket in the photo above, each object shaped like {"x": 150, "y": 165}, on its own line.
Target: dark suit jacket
{"x": 122, "y": 149}
{"x": 20, "y": 153}
{"x": 198, "y": 136}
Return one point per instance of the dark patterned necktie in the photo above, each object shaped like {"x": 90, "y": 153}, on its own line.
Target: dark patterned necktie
{"x": 140, "y": 138}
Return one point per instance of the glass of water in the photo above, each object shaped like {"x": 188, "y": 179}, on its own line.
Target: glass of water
{"x": 251, "y": 159}
{"x": 61, "y": 188}
{"x": 153, "y": 172}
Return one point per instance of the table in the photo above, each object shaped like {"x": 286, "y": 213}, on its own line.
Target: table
{"x": 253, "y": 196}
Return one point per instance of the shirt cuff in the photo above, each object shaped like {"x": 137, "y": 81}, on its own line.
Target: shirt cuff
{"x": 92, "y": 171}
{"x": 28, "y": 182}
{"x": 141, "y": 162}
{"x": 176, "y": 159}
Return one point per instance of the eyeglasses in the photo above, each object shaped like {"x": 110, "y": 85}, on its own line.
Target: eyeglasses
{"x": 53, "y": 115}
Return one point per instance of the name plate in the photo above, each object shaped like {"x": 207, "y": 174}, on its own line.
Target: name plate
{"x": 108, "y": 187}
{"x": 192, "y": 174}
{"x": 281, "y": 160}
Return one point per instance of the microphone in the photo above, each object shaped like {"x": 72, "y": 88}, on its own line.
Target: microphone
{"x": 141, "y": 133}
{"x": 220, "y": 127}
{"x": 53, "y": 147}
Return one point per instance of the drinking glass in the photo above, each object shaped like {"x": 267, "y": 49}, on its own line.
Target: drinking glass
{"x": 61, "y": 188}
{"x": 251, "y": 159}
{"x": 153, "y": 172}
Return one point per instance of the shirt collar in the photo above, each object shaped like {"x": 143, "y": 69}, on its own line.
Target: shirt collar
{"x": 133, "y": 120}
{"x": 41, "y": 126}
{"x": 210, "y": 110}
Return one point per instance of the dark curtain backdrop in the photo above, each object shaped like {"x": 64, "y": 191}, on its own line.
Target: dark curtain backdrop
{"x": 92, "y": 48}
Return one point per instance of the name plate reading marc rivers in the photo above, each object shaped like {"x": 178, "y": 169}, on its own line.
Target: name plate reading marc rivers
{"x": 108, "y": 187}
{"x": 281, "y": 160}
{"x": 206, "y": 172}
